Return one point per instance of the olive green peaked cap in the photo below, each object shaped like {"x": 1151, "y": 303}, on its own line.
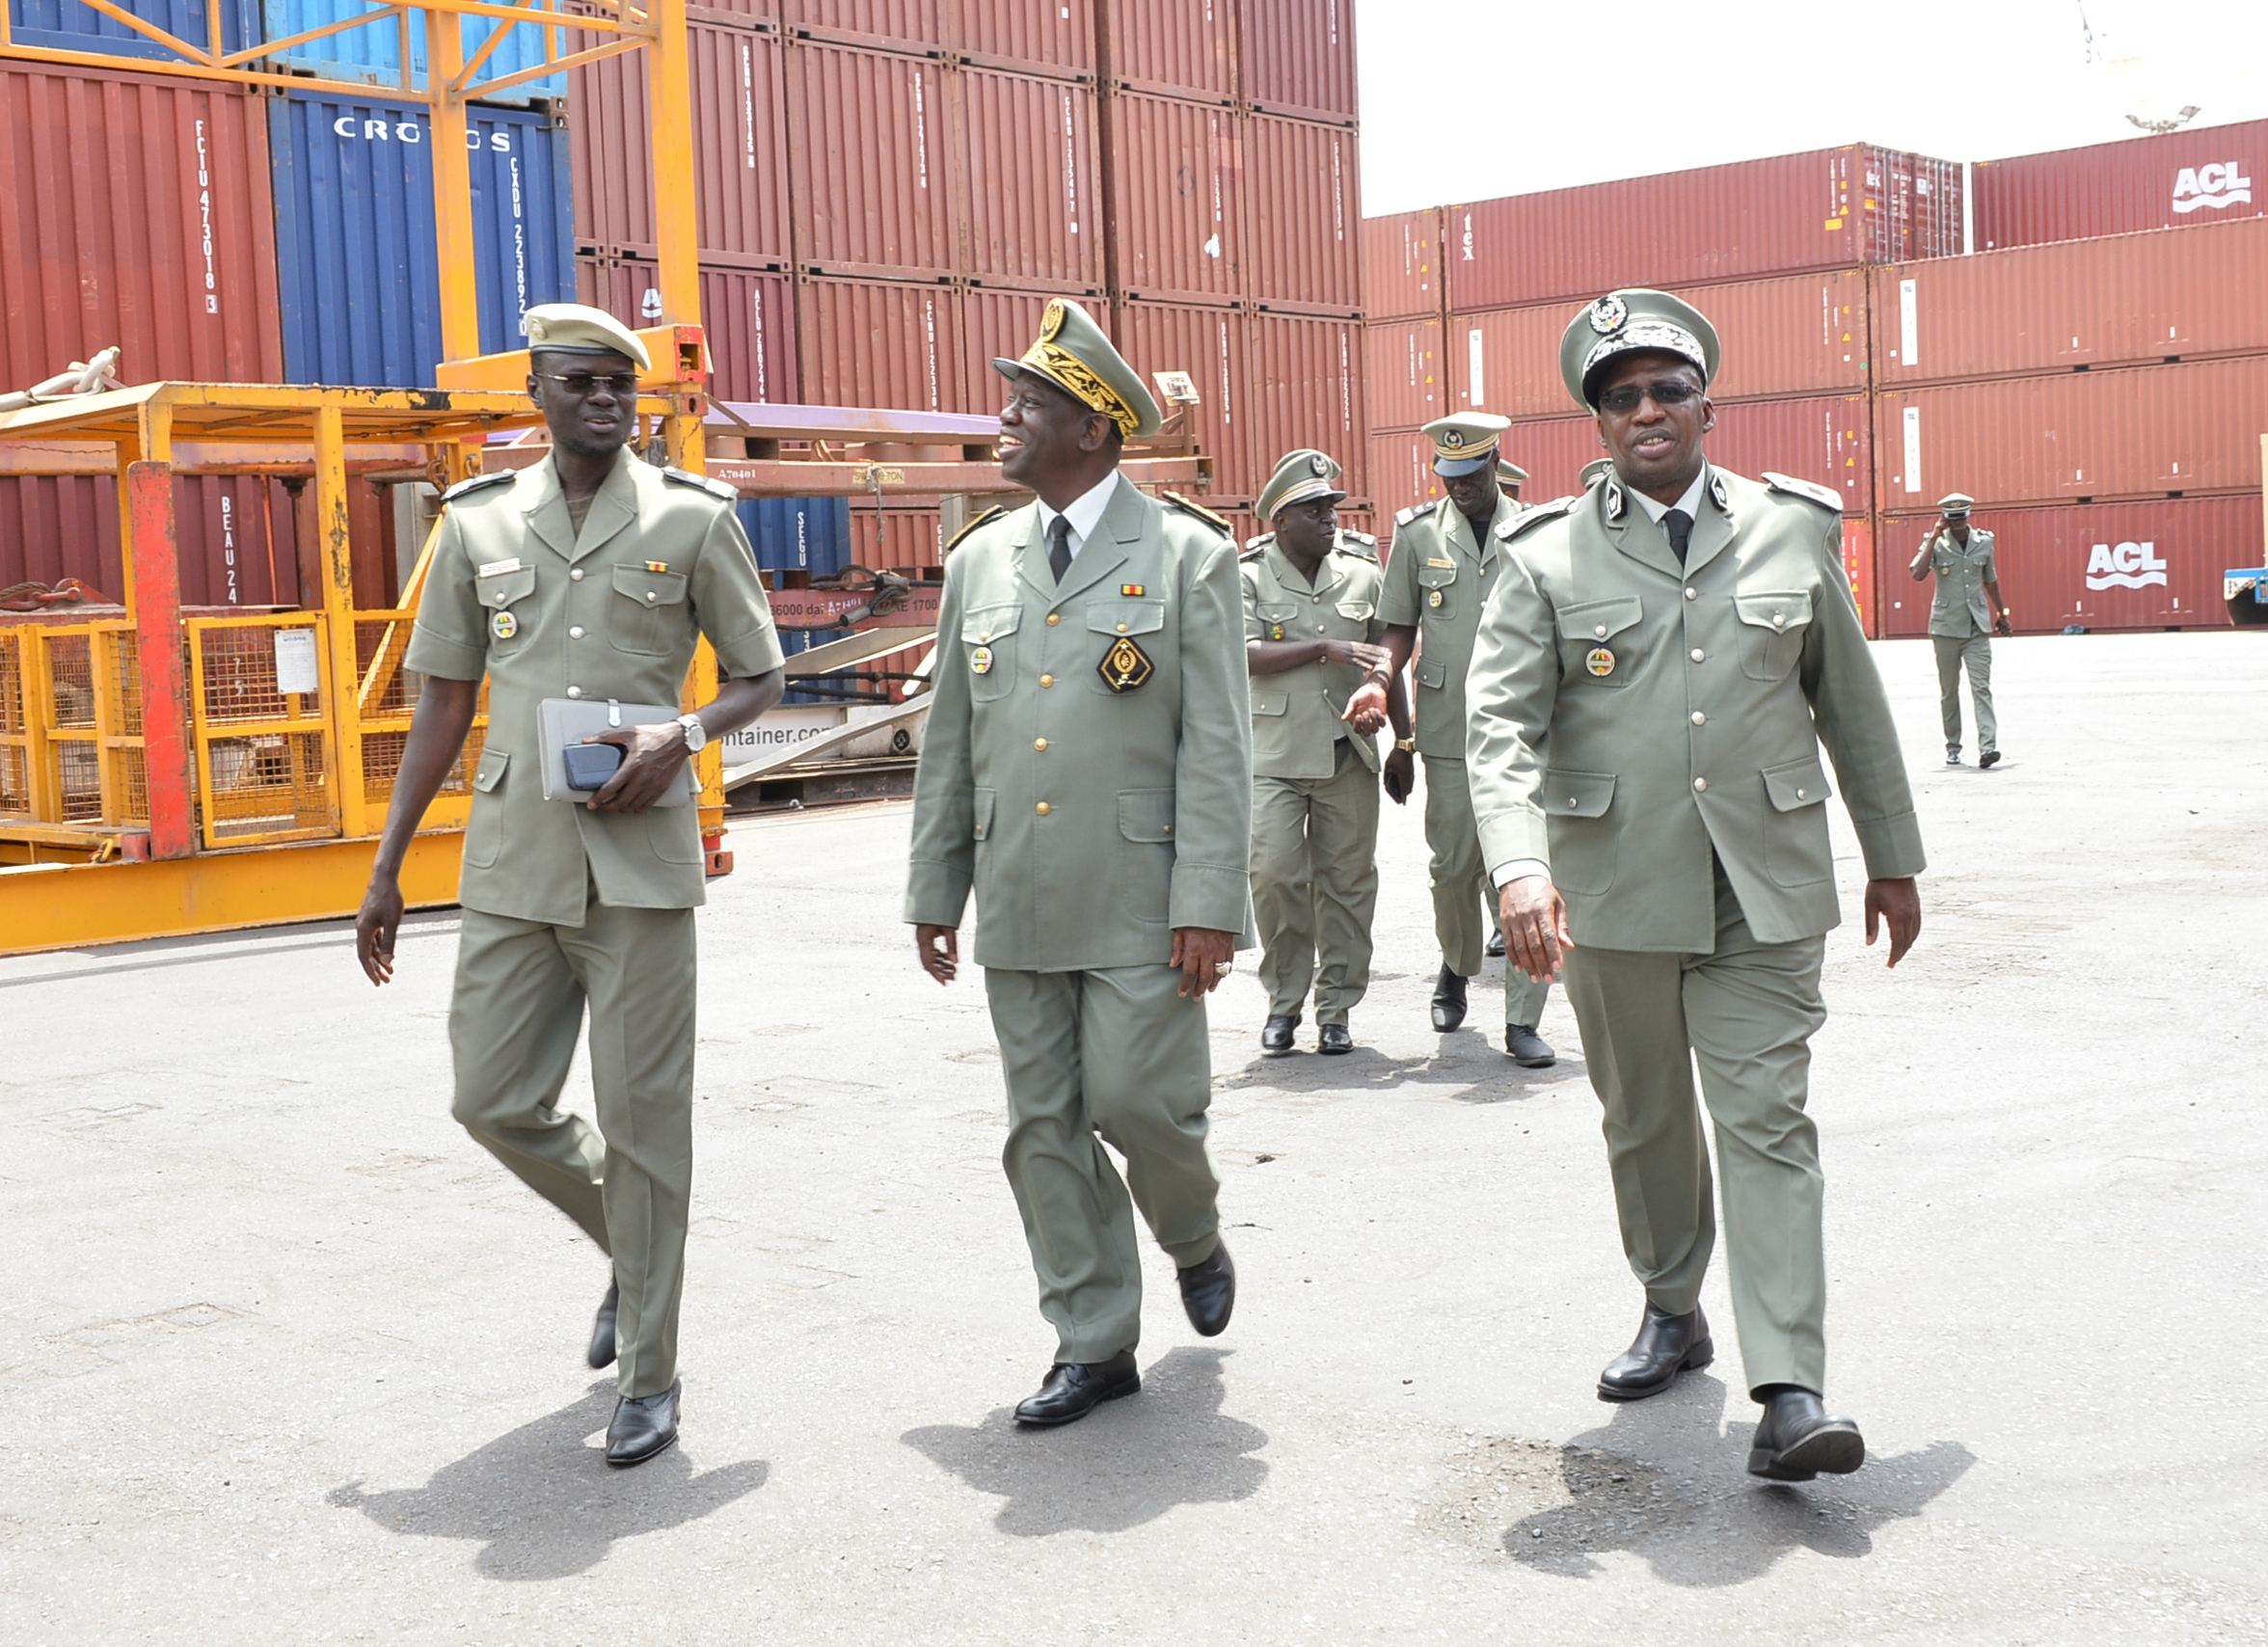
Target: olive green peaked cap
{"x": 1465, "y": 443}
{"x": 1073, "y": 354}
{"x": 573, "y": 329}
{"x": 1598, "y": 468}
{"x": 1956, "y": 505}
{"x": 1510, "y": 473}
{"x": 1300, "y": 478}
{"x": 1624, "y": 322}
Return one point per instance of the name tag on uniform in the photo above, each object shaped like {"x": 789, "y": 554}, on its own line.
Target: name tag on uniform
{"x": 1432, "y": 561}
{"x": 495, "y": 566}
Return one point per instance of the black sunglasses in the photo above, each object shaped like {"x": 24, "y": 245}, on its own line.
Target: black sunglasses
{"x": 622, "y": 384}
{"x": 1626, "y": 399}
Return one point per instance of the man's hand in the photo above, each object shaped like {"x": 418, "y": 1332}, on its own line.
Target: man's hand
{"x": 1534, "y": 919}
{"x": 1358, "y": 655}
{"x": 653, "y": 756}
{"x": 1203, "y": 956}
{"x": 1899, "y": 902}
{"x": 375, "y": 924}
{"x": 1402, "y": 775}
{"x": 939, "y": 949}
{"x": 2005, "y": 625}
{"x": 1366, "y": 710}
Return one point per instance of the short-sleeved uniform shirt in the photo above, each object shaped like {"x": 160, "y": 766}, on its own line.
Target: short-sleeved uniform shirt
{"x": 1958, "y": 608}
{"x": 1297, "y": 713}
{"x": 1438, "y": 579}
{"x": 517, "y": 594}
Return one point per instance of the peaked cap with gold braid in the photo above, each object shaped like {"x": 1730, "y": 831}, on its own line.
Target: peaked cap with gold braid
{"x": 1073, "y": 354}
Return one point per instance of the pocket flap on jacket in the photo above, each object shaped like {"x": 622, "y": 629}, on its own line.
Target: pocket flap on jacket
{"x": 1275, "y": 702}
{"x": 501, "y": 589}
{"x": 491, "y": 771}
{"x": 1272, "y": 611}
{"x": 1432, "y": 672}
{"x": 650, "y": 588}
{"x": 1797, "y": 783}
{"x": 1437, "y": 572}
{"x": 1126, "y": 617}
{"x": 1357, "y": 612}
{"x": 1775, "y": 608}
{"x": 983, "y": 798}
{"x": 1577, "y": 795}
{"x": 989, "y": 624}
{"x": 1599, "y": 620}
{"x": 1145, "y": 814}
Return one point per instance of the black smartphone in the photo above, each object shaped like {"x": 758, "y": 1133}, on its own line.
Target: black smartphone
{"x": 590, "y": 765}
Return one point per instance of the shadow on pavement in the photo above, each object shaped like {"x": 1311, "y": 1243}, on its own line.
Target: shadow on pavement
{"x": 544, "y": 1504}
{"x": 1467, "y": 1055}
{"x": 1124, "y": 1464}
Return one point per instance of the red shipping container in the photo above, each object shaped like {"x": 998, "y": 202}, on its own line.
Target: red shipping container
{"x": 1401, "y": 474}
{"x": 735, "y": 14}
{"x": 1408, "y": 380}
{"x": 1209, "y": 345}
{"x": 1303, "y": 216}
{"x": 1177, "y": 48}
{"x": 1175, "y": 175}
{"x": 2126, "y": 300}
{"x": 2078, "y": 434}
{"x": 1828, "y": 208}
{"x": 1402, "y": 264}
{"x": 1033, "y": 162}
{"x": 1307, "y": 378}
{"x": 895, "y": 539}
{"x": 748, "y": 316}
{"x": 873, "y": 169}
{"x": 2178, "y": 179}
{"x": 1822, "y": 439}
{"x": 883, "y": 25}
{"x": 1055, "y": 38}
{"x": 2142, "y": 565}
{"x": 996, "y": 325}
{"x": 1298, "y": 57}
{"x": 883, "y": 343}
{"x": 235, "y": 535}
{"x": 135, "y": 210}
{"x": 740, "y": 152}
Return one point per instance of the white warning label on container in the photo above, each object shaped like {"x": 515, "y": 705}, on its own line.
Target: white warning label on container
{"x": 1477, "y": 395}
{"x": 1909, "y": 350}
{"x": 1913, "y": 448}
{"x": 295, "y": 662}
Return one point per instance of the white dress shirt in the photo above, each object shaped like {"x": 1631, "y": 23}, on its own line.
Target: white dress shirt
{"x": 1085, "y": 513}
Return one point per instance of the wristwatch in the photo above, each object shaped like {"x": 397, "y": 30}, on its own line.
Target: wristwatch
{"x": 696, "y": 736}
{"x": 1410, "y": 744}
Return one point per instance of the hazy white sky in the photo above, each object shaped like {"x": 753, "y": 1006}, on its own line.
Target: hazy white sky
{"x": 1507, "y": 97}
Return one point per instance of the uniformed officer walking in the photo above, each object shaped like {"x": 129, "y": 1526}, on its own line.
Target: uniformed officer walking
{"x": 586, "y": 576}
{"x": 1320, "y": 690}
{"x": 1964, "y": 611}
{"x": 1437, "y": 577}
{"x": 1662, "y": 660}
{"x": 1086, "y": 769}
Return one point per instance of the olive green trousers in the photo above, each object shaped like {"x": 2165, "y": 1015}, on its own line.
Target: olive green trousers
{"x": 1464, "y": 900}
{"x": 1314, "y": 884}
{"x": 1975, "y": 654}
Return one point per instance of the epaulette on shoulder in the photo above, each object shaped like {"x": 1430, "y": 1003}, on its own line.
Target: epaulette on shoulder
{"x": 1198, "y": 511}
{"x": 1254, "y": 547}
{"x": 1403, "y": 517}
{"x": 1534, "y": 515}
{"x": 984, "y": 520}
{"x": 717, "y": 489}
{"x": 466, "y": 488}
{"x": 1824, "y": 497}
{"x": 1361, "y": 545}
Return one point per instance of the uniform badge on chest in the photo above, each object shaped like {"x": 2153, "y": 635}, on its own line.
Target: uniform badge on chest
{"x": 1433, "y": 597}
{"x": 981, "y": 660}
{"x": 504, "y": 626}
{"x": 1124, "y": 667}
{"x": 1599, "y": 662}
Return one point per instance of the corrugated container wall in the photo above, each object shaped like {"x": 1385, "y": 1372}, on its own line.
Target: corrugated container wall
{"x": 372, "y": 52}
{"x": 1177, "y": 199}
{"x": 2194, "y": 427}
{"x": 749, "y": 315}
{"x": 1307, "y": 378}
{"x": 1303, "y": 216}
{"x": 2126, "y": 300}
{"x": 135, "y": 210}
{"x": 1056, "y": 37}
{"x": 1000, "y": 324}
{"x": 71, "y": 25}
{"x": 1402, "y": 265}
{"x": 2178, "y": 179}
{"x": 1209, "y": 345}
{"x": 233, "y": 535}
{"x": 1031, "y": 161}
{"x": 888, "y": 25}
{"x": 1178, "y": 48}
{"x": 874, "y": 163}
{"x": 879, "y": 343}
{"x": 1828, "y": 208}
{"x": 1297, "y": 57}
{"x": 1401, "y": 474}
{"x": 1822, "y": 439}
{"x": 1408, "y": 382}
{"x": 739, "y": 149}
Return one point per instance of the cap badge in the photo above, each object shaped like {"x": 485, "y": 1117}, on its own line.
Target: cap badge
{"x": 1320, "y": 464}
{"x": 1609, "y": 313}
{"x": 504, "y": 626}
{"x": 537, "y": 328}
{"x": 1124, "y": 667}
{"x": 1452, "y": 438}
{"x": 981, "y": 660}
{"x": 1599, "y": 662}
{"x": 1052, "y": 321}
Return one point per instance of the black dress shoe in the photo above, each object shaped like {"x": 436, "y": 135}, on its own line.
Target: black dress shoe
{"x": 1333, "y": 1039}
{"x": 1988, "y": 760}
{"x": 1665, "y": 1346}
{"x": 1495, "y": 943}
{"x": 1449, "y": 1001}
{"x": 602, "y": 1344}
{"x": 1796, "y": 1439}
{"x": 1208, "y": 1292}
{"x": 1529, "y": 1049}
{"x": 1276, "y": 1035}
{"x": 643, "y": 1425}
{"x": 1072, "y": 1390}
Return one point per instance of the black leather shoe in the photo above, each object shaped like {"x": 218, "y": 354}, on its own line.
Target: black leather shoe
{"x": 1529, "y": 1049}
{"x": 1495, "y": 943}
{"x": 1665, "y": 1346}
{"x": 602, "y": 1344}
{"x": 643, "y": 1425}
{"x": 1276, "y": 1035}
{"x": 1333, "y": 1039}
{"x": 1072, "y": 1390}
{"x": 1988, "y": 760}
{"x": 1449, "y": 1001}
{"x": 1796, "y": 1439}
{"x": 1208, "y": 1292}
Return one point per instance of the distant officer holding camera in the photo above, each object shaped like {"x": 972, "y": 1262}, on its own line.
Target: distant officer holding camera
{"x": 1966, "y": 611}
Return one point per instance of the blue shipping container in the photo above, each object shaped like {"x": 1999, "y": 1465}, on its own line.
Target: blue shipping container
{"x": 372, "y": 50}
{"x": 793, "y": 641}
{"x": 355, "y": 250}
{"x": 799, "y": 534}
{"x": 70, "y": 25}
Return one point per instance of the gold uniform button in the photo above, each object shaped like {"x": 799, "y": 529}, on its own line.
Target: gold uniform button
{"x": 1169, "y": 828}
{"x": 1047, "y": 680}
{"x": 985, "y": 635}
{"x": 1039, "y": 743}
{"x": 574, "y": 692}
{"x": 1054, "y": 618}
{"x": 575, "y": 634}
{"x": 1700, "y": 784}
{"x": 1692, "y": 594}
{"x": 1699, "y": 655}
{"x": 1044, "y": 809}
{"x": 1700, "y": 720}
{"x": 576, "y": 575}
{"x": 1121, "y": 628}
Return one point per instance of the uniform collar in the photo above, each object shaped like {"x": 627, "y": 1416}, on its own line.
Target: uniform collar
{"x": 1121, "y": 513}
{"x": 1085, "y": 511}
{"x": 614, "y": 507}
{"x": 1328, "y": 572}
{"x": 1481, "y": 547}
{"x": 1637, "y": 532}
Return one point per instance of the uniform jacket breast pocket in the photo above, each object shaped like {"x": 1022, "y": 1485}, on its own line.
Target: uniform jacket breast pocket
{"x": 1432, "y": 673}
{"x": 1146, "y": 852}
{"x": 1438, "y": 594}
{"x": 988, "y": 648}
{"x": 500, "y": 593}
{"x": 1774, "y": 623}
{"x": 1795, "y": 845}
{"x": 1599, "y": 640}
{"x": 647, "y": 612}
{"x": 1275, "y": 618}
{"x": 1127, "y": 655}
{"x": 1358, "y": 612}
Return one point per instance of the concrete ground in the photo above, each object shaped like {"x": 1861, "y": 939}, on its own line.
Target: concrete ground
{"x": 293, "y": 1360}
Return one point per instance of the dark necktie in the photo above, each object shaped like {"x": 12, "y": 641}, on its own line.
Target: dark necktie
{"x": 1059, "y": 547}
{"x": 1680, "y": 526}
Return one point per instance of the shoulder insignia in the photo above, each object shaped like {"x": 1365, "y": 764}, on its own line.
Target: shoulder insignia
{"x": 717, "y": 489}
{"x": 1824, "y": 497}
{"x": 464, "y": 488}
{"x": 1403, "y": 517}
{"x": 1198, "y": 511}
{"x": 984, "y": 520}
{"x": 1534, "y": 515}
{"x": 1360, "y": 545}
{"x": 1254, "y": 547}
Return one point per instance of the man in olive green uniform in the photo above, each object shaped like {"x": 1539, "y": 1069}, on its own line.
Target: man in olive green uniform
{"x": 1086, "y": 770}
{"x": 1437, "y": 577}
{"x": 1312, "y": 634}
{"x": 1510, "y": 479}
{"x": 1661, "y": 663}
{"x": 1964, "y": 611}
{"x": 586, "y": 578}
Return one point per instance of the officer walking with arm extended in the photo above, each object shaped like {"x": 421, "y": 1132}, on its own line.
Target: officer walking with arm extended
{"x": 1677, "y": 643}
{"x": 1444, "y": 563}
{"x": 587, "y": 577}
{"x": 1086, "y": 769}
{"x": 1319, "y": 691}
{"x": 1963, "y": 612}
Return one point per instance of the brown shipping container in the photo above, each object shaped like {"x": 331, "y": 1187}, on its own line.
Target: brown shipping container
{"x": 1822, "y": 439}
{"x": 1307, "y": 378}
{"x": 735, "y": 14}
{"x": 1408, "y": 384}
{"x": 749, "y": 316}
{"x": 1175, "y": 175}
{"x": 2127, "y": 299}
{"x": 1798, "y": 335}
{"x": 1180, "y": 48}
{"x": 2146, "y": 565}
{"x": 996, "y": 324}
{"x": 135, "y": 210}
{"x": 891, "y": 343}
{"x": 1209, "y": 345}
{"x": 234, "y": 533}
{"x": 739, "y": 155}
{"x": 886, "y": 26}
{"x": 873, "y": 162}
{"x": 1401, "y": 474}
{"x": 1054, "y": 38}
{"x": 894, "y": 539}
{"x": 1828, "y": 208}
{"x": 1401, "y": 264}
{"x": 2081, "y": 435}
{"x": 1303, "y": 216}
{"x": 2179, "y": 180}
{"x": 1033, "y": 162}
{"x": 1298, "y": 57}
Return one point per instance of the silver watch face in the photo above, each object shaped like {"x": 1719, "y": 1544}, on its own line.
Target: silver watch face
{"x": 696, "y": 736}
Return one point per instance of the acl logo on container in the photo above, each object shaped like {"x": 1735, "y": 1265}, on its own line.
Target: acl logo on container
{"x": 410, "y": 131}
{"x": 2215, "y": 186}
{"x": 2125, "y": 566}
